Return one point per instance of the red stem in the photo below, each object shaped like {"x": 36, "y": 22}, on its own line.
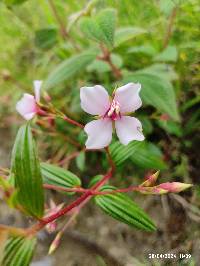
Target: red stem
{"x": 92, "y": 191}
{"x": 73, "y": 122}
{"x": 107, "y": 58}
{"x": 122, "y": 190}
{"x": 77, "y": 190}
{"x": 35, "y": 228}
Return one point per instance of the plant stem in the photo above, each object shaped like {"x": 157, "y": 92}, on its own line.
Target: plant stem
{"x": 71, "y": 121}
{"x": 110, "y": 158}
{"x": 59, "y": 188}
{"x": 107, "y": 58}
{"x": 65, "y": 35}
{"x": 35, "y": 228}
{"x": 170, "y": 27}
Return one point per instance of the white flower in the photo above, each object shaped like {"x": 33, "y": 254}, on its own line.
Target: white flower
{"x": 96, "y": 101}
{"x": 27, "y": 106}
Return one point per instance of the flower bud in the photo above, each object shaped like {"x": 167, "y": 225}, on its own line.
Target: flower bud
{"x": 174, "y": 187}
{"x": 54, "y": 245}
{"x": 164, "y": 188}
{"x": 151, "y": 180}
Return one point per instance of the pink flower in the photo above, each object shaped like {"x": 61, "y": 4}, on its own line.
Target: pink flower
{"x": 27, "y": 106}
{"x": 96, "y": 101}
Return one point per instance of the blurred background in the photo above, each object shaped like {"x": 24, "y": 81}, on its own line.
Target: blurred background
{"x": 158, "y": 44}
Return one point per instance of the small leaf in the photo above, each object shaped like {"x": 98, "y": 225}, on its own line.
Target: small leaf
{"x": 19, "y": 251}
{"x": 106, "y": 20}
{"x": 68, "y": 68}
{"x": 27, "y": 174}
{"x": 169, "y": 54}
{"x": 100, "y": 28}
{"x": 80, "y": 161}
{"x": 91, "y": 29}
{"x": 164, "y": 71}
{"x": 125, "y": 34}
{"x": 171, "y": 127}
{"x": 157, "y": 92}
{"x": 54, "y": 175}
{"x": 94, "y": 180}
{"x": 46, "y": 38}
{"x": 147, "y": 158}
{"x": 144, "y": 49}
{"x": 120, "y": 153}
{"x": 122, "y": 208}
{"x": 73, "y": 18}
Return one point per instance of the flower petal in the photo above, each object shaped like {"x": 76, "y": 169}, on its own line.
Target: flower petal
{"x": 94, "y": 100}
{"x": 128, "y": 128}
{"x": 128, "y": 97}
{"x": 27, "y": 106}
{"x": 99, "y": 133}
{"x": 37, "y": 86}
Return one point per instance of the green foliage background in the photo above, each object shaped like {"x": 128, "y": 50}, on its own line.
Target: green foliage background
{"x": 156, "y": 43}
{"x": 33, "y": 47}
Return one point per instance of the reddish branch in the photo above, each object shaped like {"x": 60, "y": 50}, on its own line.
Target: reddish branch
{"x": 92, "y": 191}
{"x": 35, "y": 228}
{"x": 73, "y": 122}
{"x": 107, "y": 58}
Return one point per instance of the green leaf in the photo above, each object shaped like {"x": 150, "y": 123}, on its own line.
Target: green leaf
{"x": 27, "y": 174}
{"x": 69, "y": 68}
{"x": 164, "y": 71}
{"x": 157, "y": 92}
{"x": 120, "y": 152}
{"x": 14, "y": 2}
{"x": 54, "y": 175}
{"x": 19, "y": 251}
{"x": 106, "y": 20}
{"x": 73, "y": 18}
{"x": 166, "y": 6}
{"x": 46, "y": 38}
{"x": 169, "y": 54}
{"x": 101, "y": 28}
{"x": 80, "y": 161}
{"x": 171, "y": 127}
{"x": 125, "y": 34}
{"x": 148, "y": 156}
{"x": 146, "y": 124}
{"x": 144, "y": 49}
{"x": 95, "y": 179}
{"x": 122, "y": 208}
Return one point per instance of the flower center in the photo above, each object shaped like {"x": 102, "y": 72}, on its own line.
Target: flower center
{"x": 114, "y": 110}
